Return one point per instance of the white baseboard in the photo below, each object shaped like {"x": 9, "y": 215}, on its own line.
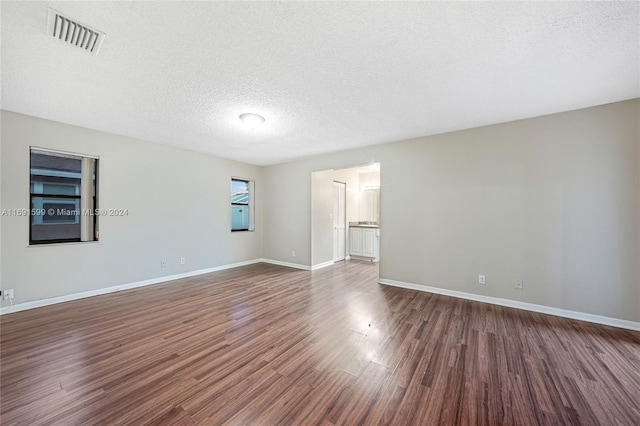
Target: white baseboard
{"x": 297, "y": 265}
{"x": 598, "y": 319}
{"x": 322, "y": 265}
{"x": 97, "y": 292}
{"x": 365, "y": 258}
{"x": 290, "y": 265}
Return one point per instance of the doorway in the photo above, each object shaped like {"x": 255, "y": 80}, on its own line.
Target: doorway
{"x": 339, "y": 220}
{"x": 343, "y": 202}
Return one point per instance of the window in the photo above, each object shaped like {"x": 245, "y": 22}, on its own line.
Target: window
{"x": 242, "y": 204}
{"x": 63, "y": 198}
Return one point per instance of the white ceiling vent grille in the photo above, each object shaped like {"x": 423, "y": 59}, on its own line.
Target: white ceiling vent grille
{"x": 74, "y": 33}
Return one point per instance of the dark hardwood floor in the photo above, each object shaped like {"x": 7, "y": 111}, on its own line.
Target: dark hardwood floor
{"x": 269, "y": 345}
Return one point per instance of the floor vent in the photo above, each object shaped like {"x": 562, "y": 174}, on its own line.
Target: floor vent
{"x": 74, "y": 33}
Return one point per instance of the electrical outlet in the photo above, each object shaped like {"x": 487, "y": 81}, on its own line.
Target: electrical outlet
{"x": 293, "y": 253}
{"x": 482, "y": 279}
{"x": 183, "y": 260}
{"x": 519, "y": 284}
{"x": 8, "y": 294}
{"x": 163, "y": 264}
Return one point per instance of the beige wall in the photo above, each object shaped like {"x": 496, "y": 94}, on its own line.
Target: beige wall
{"x": 178, "y": 204}
{"x": 288, "y": 207}
{"x": 322, "y": 200}
{"x": 321, "y": 217}
{"x": 287, "y": 204}
{"x": 553, "y": 201}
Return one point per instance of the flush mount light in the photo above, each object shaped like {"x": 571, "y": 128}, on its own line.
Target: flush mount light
{"x": 251, "y": 121}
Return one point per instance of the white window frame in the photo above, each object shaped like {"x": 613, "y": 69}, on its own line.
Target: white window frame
{"x": 250, "y": 205}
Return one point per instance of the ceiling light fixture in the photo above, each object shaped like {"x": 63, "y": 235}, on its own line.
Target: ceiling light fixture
{"x": 252, "y": 121}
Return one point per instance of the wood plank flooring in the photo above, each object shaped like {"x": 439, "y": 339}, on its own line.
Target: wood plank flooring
{"x": 268, "y": 345}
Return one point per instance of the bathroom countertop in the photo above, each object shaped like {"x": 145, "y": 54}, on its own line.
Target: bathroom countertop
{"x": 363, "y": 225}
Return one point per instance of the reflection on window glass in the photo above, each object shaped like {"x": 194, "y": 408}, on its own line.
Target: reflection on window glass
{"x": 56, "y": 193}
{"x": 241, "y": 205}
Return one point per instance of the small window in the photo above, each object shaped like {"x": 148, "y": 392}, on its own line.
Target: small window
{"x": 63, "y": 198}
{"x": 242, "y": 204}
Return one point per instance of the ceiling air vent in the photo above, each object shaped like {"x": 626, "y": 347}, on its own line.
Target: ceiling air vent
{"x": 74, "y": 33}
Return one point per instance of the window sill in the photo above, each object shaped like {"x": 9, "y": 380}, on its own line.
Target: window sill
{"x": 71, "y": 243}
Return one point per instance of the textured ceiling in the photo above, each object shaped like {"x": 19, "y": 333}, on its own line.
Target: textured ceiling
{"x": 326, "y": 76}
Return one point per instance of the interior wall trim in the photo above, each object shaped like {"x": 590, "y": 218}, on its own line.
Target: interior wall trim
{"x": 288, "y": 264}
{"x": 322, "y": 265}
{"x": 598, "y": 319}
{"x": 75, "y": 296}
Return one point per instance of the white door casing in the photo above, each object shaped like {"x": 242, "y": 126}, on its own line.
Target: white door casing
{"x": 339, "y": 221}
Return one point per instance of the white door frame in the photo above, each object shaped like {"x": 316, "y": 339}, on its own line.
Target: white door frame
{"x": 339, "y": 221}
